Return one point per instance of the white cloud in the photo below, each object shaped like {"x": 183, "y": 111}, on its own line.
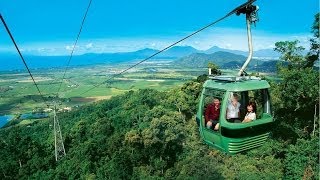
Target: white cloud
{"x": 69, "y": 48}
{"x": 237, "y": 39}
{"x": 223, "y": 37}
{"x": 89, "y": 46}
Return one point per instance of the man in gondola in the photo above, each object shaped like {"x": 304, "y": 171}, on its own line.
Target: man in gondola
{"x": 212, "y": 114}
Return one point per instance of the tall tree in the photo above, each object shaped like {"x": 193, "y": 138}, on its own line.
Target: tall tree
{"x": 299, "y": 88}
{"x": 291, "y": 52}
{"x": 313, "y": 54}
{"x": 214, "y": 69}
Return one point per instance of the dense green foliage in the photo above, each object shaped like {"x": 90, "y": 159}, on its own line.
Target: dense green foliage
{"x": 144, "y": 135}
{"x": 214, "y": 69}
{"x": 297, "y": 95}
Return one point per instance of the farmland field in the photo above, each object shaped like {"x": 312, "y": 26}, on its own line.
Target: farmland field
{"x": 85, "y": 84}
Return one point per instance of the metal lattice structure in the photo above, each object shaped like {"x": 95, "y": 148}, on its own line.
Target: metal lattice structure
{"x": 58, "y": 141}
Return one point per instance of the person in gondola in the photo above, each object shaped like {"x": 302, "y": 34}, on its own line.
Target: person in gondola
{"x": 251, "y": 112}
{"x": 212, "y": 114}
{"x": 233, "y": 112}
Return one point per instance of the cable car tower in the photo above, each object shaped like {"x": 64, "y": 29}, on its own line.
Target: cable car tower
{"x": 58, "y": 140}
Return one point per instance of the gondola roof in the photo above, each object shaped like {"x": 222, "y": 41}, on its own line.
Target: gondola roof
{"x": 235, "y": 84}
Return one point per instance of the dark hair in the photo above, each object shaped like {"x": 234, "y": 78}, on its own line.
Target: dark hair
{"x": 254, "y": 106}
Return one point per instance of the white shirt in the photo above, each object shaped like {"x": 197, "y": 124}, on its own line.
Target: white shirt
{"x": 233, "y": 111}
{"x": 250, "y": 115}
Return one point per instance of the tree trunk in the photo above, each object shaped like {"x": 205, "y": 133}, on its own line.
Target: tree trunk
{"x": 4, "y": 174}
{"x": 314, "y": 119}
{"x": 161, "y": 166}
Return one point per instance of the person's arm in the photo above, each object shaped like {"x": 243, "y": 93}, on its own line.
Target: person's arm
{"x": 207, "y": 112}
{"x": 238, "y": 109}
{"x": 228, "y": 106}
{"x": 227, "y": 113}
{"x": 250, "y": 117}
{"x": 216, "y": 114}
{"x": 254, "y": 117}
{"x": 247, "y": 120}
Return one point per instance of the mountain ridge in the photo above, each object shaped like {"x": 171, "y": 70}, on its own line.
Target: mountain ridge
{"x": 13, "y": 61}
{"x": 202, "y": 59}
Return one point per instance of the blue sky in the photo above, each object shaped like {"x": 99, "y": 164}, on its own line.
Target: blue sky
{"x": 50, "y": 27}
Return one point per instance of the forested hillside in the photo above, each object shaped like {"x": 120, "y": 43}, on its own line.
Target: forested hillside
{"x": 202, "y": 60}
{"x": 226, "y": 60}
{"x": 150, "y": 135}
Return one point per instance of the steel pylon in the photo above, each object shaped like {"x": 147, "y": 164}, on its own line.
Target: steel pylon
{"x": 58, "y": 141}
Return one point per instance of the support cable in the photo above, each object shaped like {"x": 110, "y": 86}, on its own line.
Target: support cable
{"x": 175, "y": 43}
{"x": 74, "y": 45}
{"x": 23, "y": 60}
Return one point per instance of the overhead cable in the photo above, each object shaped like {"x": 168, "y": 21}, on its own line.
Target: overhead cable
{"x": 74, "y": 45}
{"x": 22, "y": 58}
{"x": 175, "y": 43}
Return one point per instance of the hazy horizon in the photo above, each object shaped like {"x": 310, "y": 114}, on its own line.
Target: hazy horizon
{"x": 127, "y": 26}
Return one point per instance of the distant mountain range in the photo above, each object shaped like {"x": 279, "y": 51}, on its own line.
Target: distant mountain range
{"x": 12, "y": 61}
{"x": 180, "y": 51}
{"x": 202, "y": 59}
{"x": 225, "y": 60}
{"x": 262, "y": 53}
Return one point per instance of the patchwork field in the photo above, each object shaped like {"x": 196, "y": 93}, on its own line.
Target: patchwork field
{"x": 85, "y": 84}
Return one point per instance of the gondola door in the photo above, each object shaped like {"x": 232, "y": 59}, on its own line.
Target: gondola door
{"x": 209, "y": 100}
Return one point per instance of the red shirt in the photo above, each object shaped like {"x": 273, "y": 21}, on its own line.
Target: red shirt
{"x": 212, "y": 113}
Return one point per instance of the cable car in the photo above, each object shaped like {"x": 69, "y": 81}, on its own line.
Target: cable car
{"x": 234, "y": 135}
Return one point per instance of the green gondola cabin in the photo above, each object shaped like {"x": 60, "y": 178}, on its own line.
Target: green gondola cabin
{"x": 234, "y": 137}
{"x": 236, "y": 134}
